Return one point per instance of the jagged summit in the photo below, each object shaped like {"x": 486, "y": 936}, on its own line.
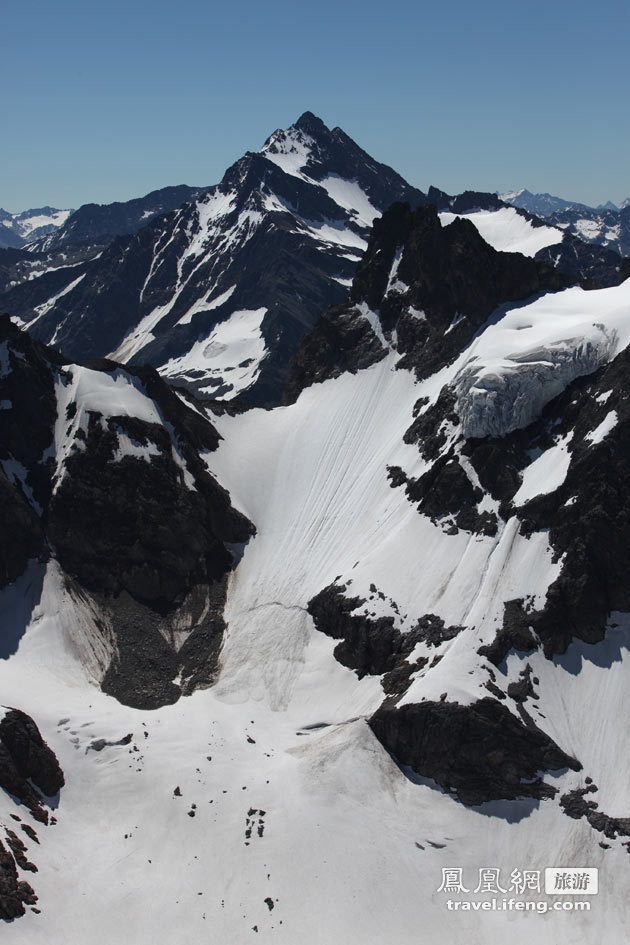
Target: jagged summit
{"x": 311, "y": 123}
{"x": 218, "y": 294}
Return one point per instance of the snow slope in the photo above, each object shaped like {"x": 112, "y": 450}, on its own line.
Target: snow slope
{"x": 295, "y": 802}
{"x": 507, "y": 231}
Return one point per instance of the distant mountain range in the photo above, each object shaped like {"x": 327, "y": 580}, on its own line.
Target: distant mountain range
{"x": 18, "y": 229}
{"x": 606, "y": 225}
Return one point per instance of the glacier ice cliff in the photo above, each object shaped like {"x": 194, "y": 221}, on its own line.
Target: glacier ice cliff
{"x": 495, "y": 397}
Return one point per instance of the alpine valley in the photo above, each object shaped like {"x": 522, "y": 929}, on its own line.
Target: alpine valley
{"x": 315, "y": 539}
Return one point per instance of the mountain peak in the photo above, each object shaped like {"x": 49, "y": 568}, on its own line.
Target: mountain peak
{"x": 311, "y": 124}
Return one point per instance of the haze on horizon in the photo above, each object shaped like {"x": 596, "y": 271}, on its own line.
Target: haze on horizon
{"x": 109, "y": 103}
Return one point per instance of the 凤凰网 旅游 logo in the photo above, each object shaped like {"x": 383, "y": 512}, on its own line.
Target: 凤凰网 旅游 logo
{"x": 571, "y": 880}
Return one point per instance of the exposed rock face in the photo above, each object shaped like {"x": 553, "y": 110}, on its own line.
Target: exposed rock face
{"x": 427, "y": 287}
{"x": 124, "y": 503}
{"x": 30, "y": 772}
{"x": 595, "y": 265}
{"x": 480, "y": 752}
{"x": 27, "y": 763}
{"x": 371, "y": 646}
{"x": 97, "y": 223}
{"x": 575, "y": 805}
{"x": 446, "y": 493}
{"x": 14, "y": 893}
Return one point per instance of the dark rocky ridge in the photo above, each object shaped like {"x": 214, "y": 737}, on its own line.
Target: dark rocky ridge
{"x": 575, "y": 805}
{"x": 142, "y": 540}
{"x": 99, "y": 223}
{"x": 450, "y": 274}
{"x": 14, "y": 893}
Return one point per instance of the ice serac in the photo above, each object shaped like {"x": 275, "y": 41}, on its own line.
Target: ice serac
{"x": 494, "y": 400}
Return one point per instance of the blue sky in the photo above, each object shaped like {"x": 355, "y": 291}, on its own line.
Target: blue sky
{"x": 108, "y": 101}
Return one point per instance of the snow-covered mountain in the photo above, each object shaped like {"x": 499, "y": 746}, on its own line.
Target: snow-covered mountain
{"x": 300, "y": 666}
{"x": 278, "y": 670}
{"x": 541, "y": 205}
{"x": 260, "y": 255}
{"x": 218, "y": 294}
{"x": 17, "y": 229}
{"x": 97, "y": 224}
{"x": 606, "y": 225}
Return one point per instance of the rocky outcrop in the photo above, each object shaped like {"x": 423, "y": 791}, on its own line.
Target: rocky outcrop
{"x": 479, "y": 752}
{"x": 29, "y": 769}
{"x": 15, "y": 894}
{"x": 31, "y": 774}
{"x": 575, "y": 805}
{"x": 430, "y": 287}
{"x": 373, "y": 645}
{"x": 126, "y": 506}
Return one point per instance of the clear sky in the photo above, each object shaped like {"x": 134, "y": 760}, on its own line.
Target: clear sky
{"x": 107, "y": 101}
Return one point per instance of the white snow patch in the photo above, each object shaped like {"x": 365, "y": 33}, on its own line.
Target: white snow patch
{"x": 332, "y": 232}
{"x": 46, "y": 306}
{"x": 232, "y": 352}
{"x": 203, "y": 305}
{"x": 349, "y": 195}
{"x": 604, "y": 428}
{"x": 373, "y": 318}
{"x": 507, "y": 231}
{"x": 546, "y": 473}
{"x": 130, "y": 447}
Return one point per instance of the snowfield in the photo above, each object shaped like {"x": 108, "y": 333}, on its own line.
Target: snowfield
{"x": 507, "y": 231}
{"x": 291, "y": 822}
